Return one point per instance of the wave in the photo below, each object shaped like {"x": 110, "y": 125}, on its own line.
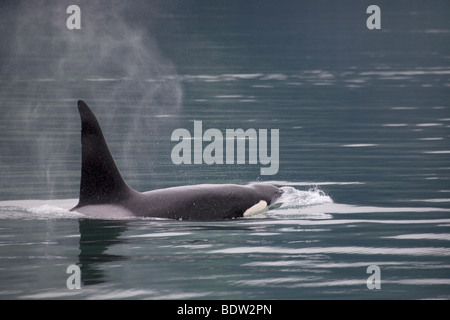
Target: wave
{"x": 294, "y": 204}
{"x": 39, "y": 209}
{"x": 353, "y": 250}
{"x": 291, "y": 201}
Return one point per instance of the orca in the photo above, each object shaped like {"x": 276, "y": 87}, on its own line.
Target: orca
{"x": 105, "y": 194}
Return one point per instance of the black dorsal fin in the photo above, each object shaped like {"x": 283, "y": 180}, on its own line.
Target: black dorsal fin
{"x": 101, "y": 181}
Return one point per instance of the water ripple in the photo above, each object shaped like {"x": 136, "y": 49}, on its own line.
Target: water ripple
{"x": 418, "y": 251}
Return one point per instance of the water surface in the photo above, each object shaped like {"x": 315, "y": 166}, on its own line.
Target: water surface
{"x": 364, "y": 147}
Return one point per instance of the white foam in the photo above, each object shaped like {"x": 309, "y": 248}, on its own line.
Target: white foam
{"x": 292, "y": 197}
{"x": 405, "y": 73}
{"x": 438, "y": 152}
{"x": 160, "y": 235}
{"x": 275, "y": 76}
{"x": 39, "y": 209}
{"x": 359, "y": 145}
{"x": 436, "y": 200}
{"x": 294, "y": 202}
{"x": 244, "y": 75}
{"x": 404, "y": 108}
{"x": 394, "y": 125}
{"x": 423, "y": 236}
{"x": 310, "y": 183}
{"x": 53, "y": 212}
{"x": 230, "y": 96}
{"x": 429, "y": 124}
{"x": 353, "y": 250}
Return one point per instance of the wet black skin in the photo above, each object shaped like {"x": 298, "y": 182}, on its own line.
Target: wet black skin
{"x": 104, "y": 193}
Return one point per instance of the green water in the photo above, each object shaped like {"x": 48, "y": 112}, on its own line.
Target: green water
{"x": 364, "y": 147}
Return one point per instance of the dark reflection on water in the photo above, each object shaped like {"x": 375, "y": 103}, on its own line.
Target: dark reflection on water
{"x": 96, "y": 236}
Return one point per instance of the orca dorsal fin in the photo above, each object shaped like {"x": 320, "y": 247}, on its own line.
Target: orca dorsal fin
{"x": 101, "y": 181}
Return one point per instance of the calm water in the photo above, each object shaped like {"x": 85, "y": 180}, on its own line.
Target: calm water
{"x": 364, "y": 120}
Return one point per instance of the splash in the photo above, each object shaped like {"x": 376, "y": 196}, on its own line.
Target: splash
{"x": 39, "y": 209}
{"x": 295, "y": 204}
{"x": 47, "y": 211}
{"x": 294, "y": 200}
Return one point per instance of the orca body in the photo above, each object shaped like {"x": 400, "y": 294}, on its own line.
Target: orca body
{"x": 105, "y": 194}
